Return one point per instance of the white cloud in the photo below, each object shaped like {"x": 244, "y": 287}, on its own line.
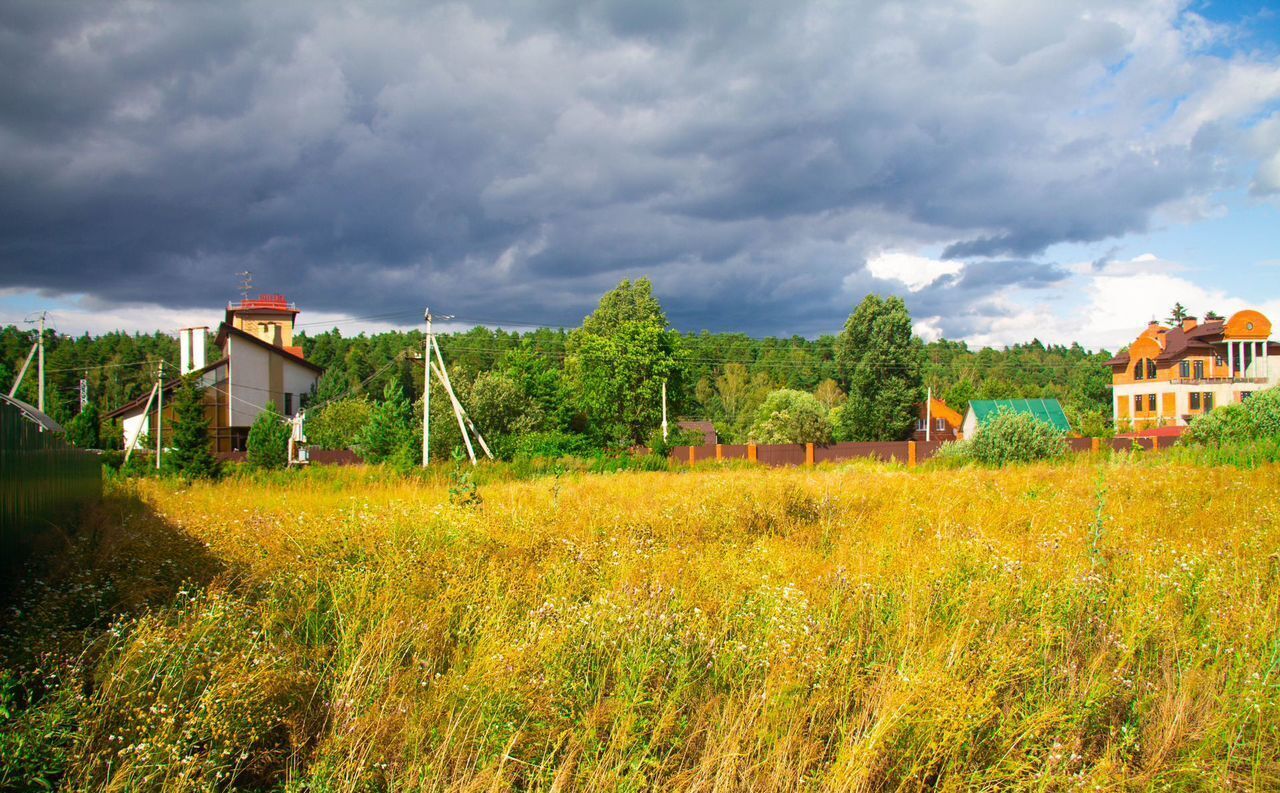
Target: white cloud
{"x": 916, "y": 272}
{"x": 1109, "y": 307}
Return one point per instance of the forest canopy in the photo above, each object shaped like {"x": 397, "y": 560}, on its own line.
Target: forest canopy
{"x": 544, "y": 386}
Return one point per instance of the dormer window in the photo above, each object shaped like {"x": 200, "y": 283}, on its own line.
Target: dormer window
{"x": 1138, "y": 370}
{"x": 1184, "y": 369}
{"x": 1151, "y": 369}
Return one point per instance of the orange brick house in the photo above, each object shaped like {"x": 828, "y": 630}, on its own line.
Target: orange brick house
{"x": 1168, "y": 376}
{"x": 937, "y": 421}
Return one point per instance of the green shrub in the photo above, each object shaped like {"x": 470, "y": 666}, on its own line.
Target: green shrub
{"x": 268, "y": 444}
{"x": 954, "y": 453}
{"x": 1229, "y": 424}
{"x": 676, "y": 436}
{"x": 338, "y": 424}
{"x": 551, "y": 445}
{"x": 1255, "y": 419}
{"x": 790, "y": 416}
{"x": 1010, "y": 437}
{"x": 1264, "y": 409}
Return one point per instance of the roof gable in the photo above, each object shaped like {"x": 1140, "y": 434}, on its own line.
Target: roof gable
{"x": 226, "y": 331}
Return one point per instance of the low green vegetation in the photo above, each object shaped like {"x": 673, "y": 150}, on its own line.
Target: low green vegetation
{"x": 1245, "y": 434}
{"x": 1008, "y": 437}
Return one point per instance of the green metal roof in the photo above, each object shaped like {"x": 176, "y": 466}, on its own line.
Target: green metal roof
{"x": 1044, "y": 409}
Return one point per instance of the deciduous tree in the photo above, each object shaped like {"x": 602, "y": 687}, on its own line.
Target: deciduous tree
{"x": 791, "y": 416}
{"x": 618, "y": 361}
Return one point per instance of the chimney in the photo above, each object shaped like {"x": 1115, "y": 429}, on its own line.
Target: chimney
{"x": 1188, "y": 324}
{"x": 191, "y": 349}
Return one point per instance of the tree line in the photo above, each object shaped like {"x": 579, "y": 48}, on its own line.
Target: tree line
{"x": 599, "y": 386}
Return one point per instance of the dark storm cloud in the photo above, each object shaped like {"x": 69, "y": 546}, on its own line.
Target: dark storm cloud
{"x": 516, "y": 163}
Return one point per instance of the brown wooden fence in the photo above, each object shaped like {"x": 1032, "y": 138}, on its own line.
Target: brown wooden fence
{"x": 907, "y": 452}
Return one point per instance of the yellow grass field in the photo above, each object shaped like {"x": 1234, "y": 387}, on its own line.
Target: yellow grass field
{"x": 1088, "y": 625}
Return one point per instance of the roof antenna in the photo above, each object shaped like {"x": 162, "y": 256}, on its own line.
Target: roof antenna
{"x": 246, "y": 283}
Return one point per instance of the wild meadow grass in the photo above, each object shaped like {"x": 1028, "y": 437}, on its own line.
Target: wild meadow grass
{"x": 1096, "y": 623}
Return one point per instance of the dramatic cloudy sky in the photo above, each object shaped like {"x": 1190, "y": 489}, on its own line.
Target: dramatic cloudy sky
{"x": 1013, "y": 168}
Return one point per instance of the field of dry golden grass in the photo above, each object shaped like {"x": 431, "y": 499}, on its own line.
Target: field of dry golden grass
{"x": 1093, "y": 624}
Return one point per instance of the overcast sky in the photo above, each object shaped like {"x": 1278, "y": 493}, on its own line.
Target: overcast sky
{"x": 1014, "y": 169}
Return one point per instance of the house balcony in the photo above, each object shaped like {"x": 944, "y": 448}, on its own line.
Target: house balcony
{"x": 1216, "y": 380}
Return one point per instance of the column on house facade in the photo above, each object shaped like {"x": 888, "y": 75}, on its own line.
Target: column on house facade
{"x": 1231, "y": 360}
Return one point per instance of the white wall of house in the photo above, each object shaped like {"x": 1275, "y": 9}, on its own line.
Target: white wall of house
{"x": 1223, "y": 394}
{"x": 250, "y": 381}
{"x": 298, "y": 380}
{"x": 970, "y": 423}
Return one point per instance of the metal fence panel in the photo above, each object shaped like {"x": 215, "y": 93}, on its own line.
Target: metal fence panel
{"x": 41, "y": 476}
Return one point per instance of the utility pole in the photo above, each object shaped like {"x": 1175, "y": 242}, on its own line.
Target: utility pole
{"x": 84, "y": 394}
{"x": 159, "y": 409}
{"x": 41, "y": 362}
{"x": 664, "y": 409}
{"x": 928, "y": 415}
{"x": 426, "y": 393}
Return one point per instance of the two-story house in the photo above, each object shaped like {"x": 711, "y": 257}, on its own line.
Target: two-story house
{"x": 258, "y": 363}
{"x": 1170, "y": 375}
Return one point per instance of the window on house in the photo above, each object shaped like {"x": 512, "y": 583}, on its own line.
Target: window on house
{"x": 1137, "y": 403}
{"x": 288, "y": 404}
{"x": 920, "y": 425}
{"x": 1151, "y": 401}
{"x": 940, "y": 425}
{"x": 1151, "y": 369}
{"x": 1195, "y": 400}
{"x": 1245, "y": 395}
{"x": 1208, "y": 400}
{"x": 1138, "y": 370}
{"x": 1184, "y": 369}
{"x": 1219, "y": 361}
{"x": 1199, "y": 370}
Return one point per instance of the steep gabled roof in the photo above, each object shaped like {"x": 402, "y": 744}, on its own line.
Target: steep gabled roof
{"x": 225, "y": 330}
{"x": 170, "y": 385}
{"x": 1047, "y": 410}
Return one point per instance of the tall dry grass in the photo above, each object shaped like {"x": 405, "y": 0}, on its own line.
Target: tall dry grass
{"x": 1091, "y": 624}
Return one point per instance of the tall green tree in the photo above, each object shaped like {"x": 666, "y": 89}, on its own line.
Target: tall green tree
{"x": 268, "y": 444}
{"x": 191, "y": 455}
{"x": 1176, "y": 315}
{"x": 83, "y": 430}
{"x": 617, "y": 362}
{"x": 880, "y": 364}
